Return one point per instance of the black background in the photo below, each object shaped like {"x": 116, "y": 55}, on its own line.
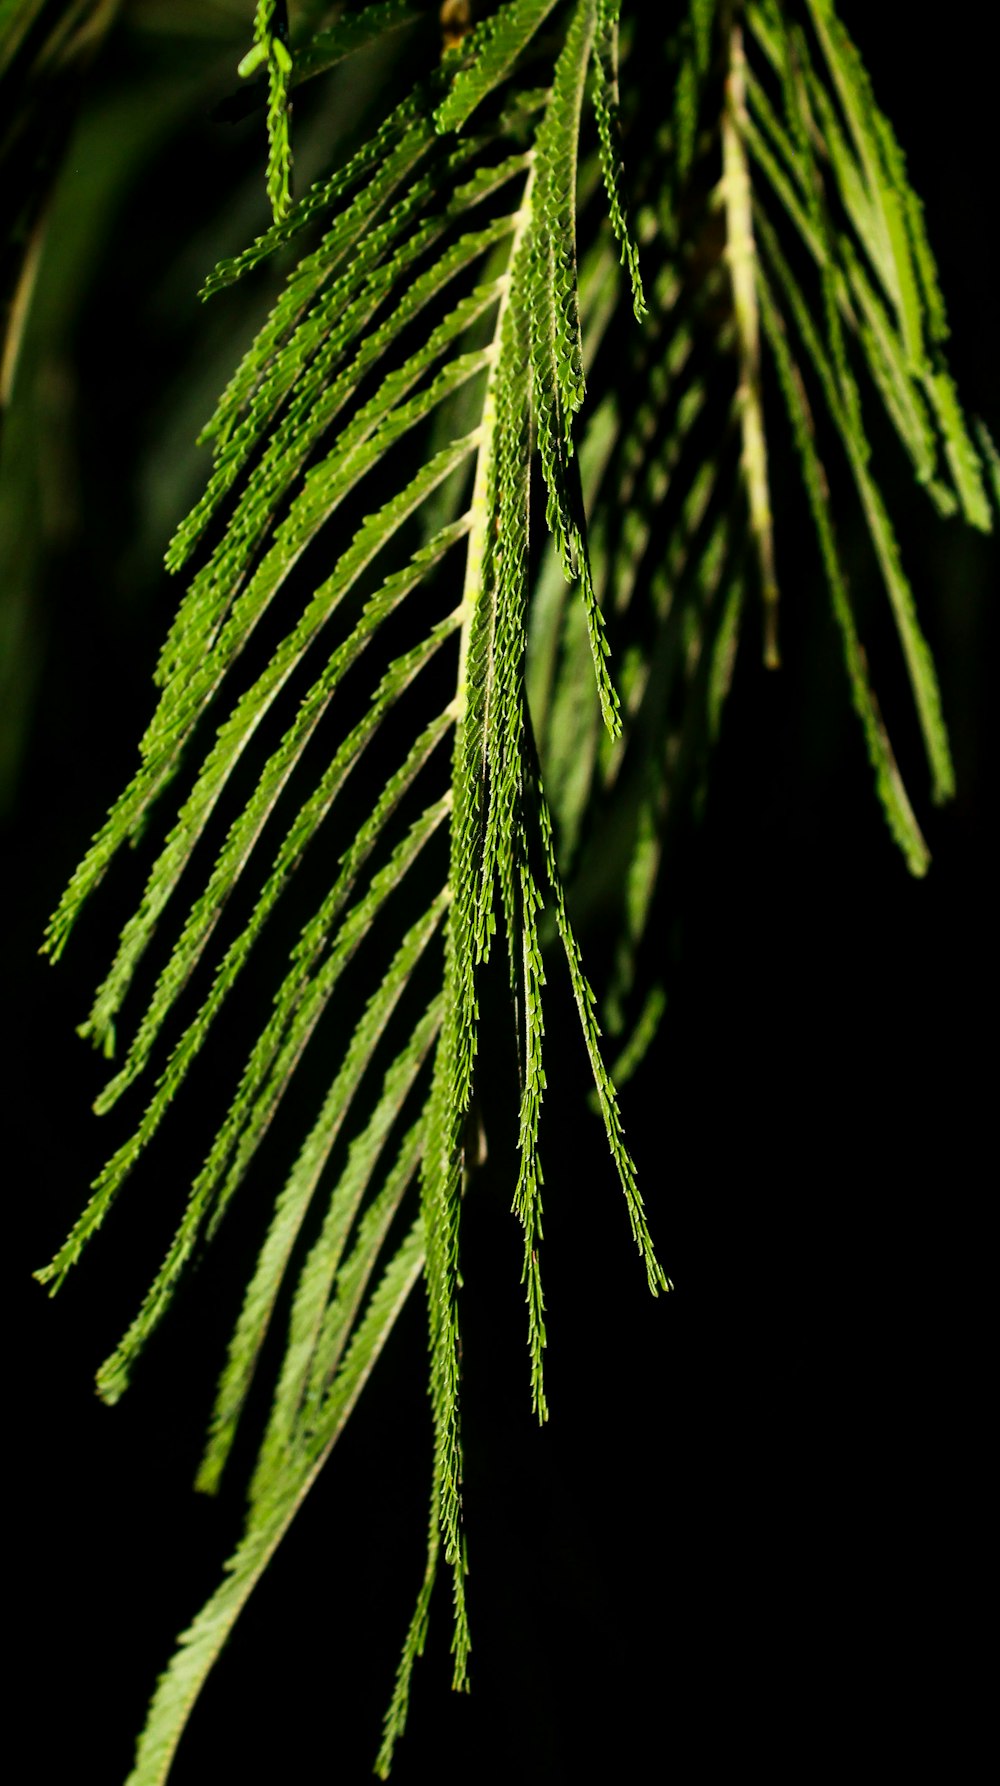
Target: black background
{"x": 752, "y": 1532}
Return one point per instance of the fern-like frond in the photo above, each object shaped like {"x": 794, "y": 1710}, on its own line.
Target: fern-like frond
{"x": 766, "y": 172}
{"x": 328, "y": 1291}
{"x": 271, "y": 43}
{"x": 360, "y": 359}
{"x": 455, "y": 340}
{"x": 299, "y": 1008}
{"x": 488, "y": 56}
{"x": 199, "y": 1646}
{"x": 292, "y": 1206}
{"x": 892, "y": 792}
{"x": 607, "y": 109}
{"x": 834, "y": 144}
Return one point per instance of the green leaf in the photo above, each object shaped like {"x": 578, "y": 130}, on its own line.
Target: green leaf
{"x": 889, "y": 783}
{"x": 488, "y": 56}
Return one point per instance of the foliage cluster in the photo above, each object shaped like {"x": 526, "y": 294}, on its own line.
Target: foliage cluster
{"x": 488, "y": 311}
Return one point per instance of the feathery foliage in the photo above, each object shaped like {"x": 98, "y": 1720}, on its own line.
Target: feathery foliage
{"x": 524, "y": 225}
